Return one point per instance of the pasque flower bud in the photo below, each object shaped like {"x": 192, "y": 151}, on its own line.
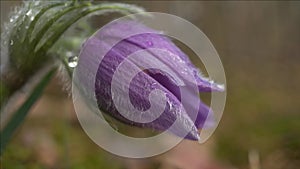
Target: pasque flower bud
{"x": 136, "y": 66}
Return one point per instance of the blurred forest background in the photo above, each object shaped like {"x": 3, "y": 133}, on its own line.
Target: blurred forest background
{"x": 259, "y": 45}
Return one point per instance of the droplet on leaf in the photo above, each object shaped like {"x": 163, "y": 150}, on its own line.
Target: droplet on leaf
{"x": 72, "y": 61}
{"x": 29, "y": 12}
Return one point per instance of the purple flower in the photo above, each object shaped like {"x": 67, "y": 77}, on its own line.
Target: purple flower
{"x": 136, "y": 60}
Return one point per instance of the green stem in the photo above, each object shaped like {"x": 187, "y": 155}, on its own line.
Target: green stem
{"x": 19, "y": 116}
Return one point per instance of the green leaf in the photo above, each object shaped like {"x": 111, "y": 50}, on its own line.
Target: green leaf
{"x": 19, "y": 116}
{"x": 35, "y": 28}
{"x": 71, "y": 15}
{"x": 51, "y": 21}
{"x": 38, "y": 16}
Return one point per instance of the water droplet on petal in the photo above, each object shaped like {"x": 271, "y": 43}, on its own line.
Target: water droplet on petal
{"x": 72, "y": 61}
{"x": 220, "y": 86}
{"x": 170, "y": 105}
{"x": 153, "y": 85}
{"x": 205, "y": 79}
{"x": 149, "y": 43}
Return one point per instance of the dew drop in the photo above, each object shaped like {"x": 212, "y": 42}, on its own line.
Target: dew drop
{"x": 72, "y": 61}
{"x": 220, "y": 86}
{"x": 149, "y": 43}
{"x": 170, "y": 105}
{"x": 29, "y": 12}
{"x": 11, "y": 20}
{"x": 14, "y": 17}
{"x": 205, "y": 79}
{"x": 11, "y": 42}
{"x": 153, "y": 85}
{"x": 36, "y": 3}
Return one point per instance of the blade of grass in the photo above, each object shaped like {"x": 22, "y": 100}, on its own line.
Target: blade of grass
{"x": 19, "y": 116}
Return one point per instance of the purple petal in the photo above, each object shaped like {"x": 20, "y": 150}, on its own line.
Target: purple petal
{"x": 140, "y": 88}
{"x": 180, "y": 63}
{"x": 146, "y": 80}
{"x": 192, "y": 105}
